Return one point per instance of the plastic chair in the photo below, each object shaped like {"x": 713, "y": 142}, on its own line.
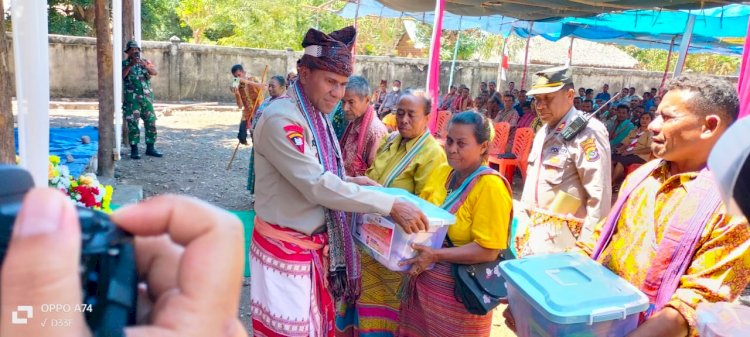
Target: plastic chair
{"x": 502, "y": 130}
{"x": 506, "y": 163}
{"x": 631, "y": 168}
{"x": 441, "y": 126}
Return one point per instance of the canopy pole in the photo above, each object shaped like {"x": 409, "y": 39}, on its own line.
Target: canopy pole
{"x": 684, "y": 45}
{"x": 455, "y": 52}
{"x": 137, "y": 21}
{"x": 433, "y": 70}
{"x": 743, "y": 83}
{"x": 117, "y": 73}
{"x": 570, "y": 52}
{"x": 666, "y": 68}
{"x": 31, "y": 56}
{"x": 526, "y": 57}
{"x": 356, "y": 25}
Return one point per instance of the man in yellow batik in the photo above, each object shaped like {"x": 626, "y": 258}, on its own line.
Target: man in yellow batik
{"x": 670, "y": 219}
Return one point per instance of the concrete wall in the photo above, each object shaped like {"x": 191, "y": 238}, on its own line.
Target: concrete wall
{"x": 189, "y": 72}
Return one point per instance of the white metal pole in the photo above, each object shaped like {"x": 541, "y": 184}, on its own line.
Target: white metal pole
{"x": 137, "y": 20}
{"x": 455, "y": 52}
{"x": 31, "y": 55}
{"x": 684, "y": 45}
{"x": 117, "y": 72}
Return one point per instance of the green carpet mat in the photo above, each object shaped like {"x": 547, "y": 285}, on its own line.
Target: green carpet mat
{"x": 247, "y": 222}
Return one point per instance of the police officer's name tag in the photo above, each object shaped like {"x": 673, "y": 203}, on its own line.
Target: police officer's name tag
{"x": 558, "y": 150}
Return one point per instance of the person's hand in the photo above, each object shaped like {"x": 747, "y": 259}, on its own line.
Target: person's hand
{"x": 178, "y": 241}
{"x": 425, "y": 257}
{"x": 408, "y": 216}
{"x": 363, "y": 181}
{"x": 41, "y": 265}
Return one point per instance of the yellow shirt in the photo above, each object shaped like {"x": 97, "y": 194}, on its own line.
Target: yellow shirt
{"x": 390, "y": 121}
{"x": 720, "y": 268}
{"x": 485, "y": 215}
{"x": 414, "y": 177}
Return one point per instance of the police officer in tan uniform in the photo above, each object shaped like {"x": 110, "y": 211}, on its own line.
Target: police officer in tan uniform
{"x": 301, "y": 193}
{"x": 568, "y": 186}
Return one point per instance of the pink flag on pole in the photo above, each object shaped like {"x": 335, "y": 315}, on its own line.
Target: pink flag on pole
{"x": 743, "y": 84}
{"x": 433, "y": 71}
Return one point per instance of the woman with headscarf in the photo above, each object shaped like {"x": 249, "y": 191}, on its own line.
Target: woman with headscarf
{"x": 481, "y": 201}
{"x": 405, "y": 159}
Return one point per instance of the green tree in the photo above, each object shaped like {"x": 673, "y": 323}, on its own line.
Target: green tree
{"x": 205, "y": 15}
{"x": 160, "y": 21}
{"x": 278, "y": 24}
{"x": 71, "y": 17}
{"x": 656, "y": 60}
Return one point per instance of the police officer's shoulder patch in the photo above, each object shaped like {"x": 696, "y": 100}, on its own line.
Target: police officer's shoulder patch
{"x": 295, "y": 135}
{"x": 589, "y": 149}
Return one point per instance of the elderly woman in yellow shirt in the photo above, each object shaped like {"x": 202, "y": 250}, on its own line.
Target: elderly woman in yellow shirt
{"x": 404, "y": 160}
{"x": 481, "y": 200}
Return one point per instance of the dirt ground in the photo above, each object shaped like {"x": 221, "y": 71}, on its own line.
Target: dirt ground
{"x": 197, "y": 145}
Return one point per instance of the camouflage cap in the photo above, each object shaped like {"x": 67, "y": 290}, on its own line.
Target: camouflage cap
{"x": 551, "y": 80}
{"x": 131, "y": 44}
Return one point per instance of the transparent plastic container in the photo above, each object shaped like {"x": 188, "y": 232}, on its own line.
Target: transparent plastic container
{"x": 388, "y": 244}
{"x": 570, "y": 295}
{"x": 723, "y": 320}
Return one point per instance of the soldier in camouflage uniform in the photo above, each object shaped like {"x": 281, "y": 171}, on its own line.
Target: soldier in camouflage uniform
{"x": 138, "y": 99}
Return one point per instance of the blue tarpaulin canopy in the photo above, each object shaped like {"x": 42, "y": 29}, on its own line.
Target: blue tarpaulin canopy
{"x": 643, "y": 28}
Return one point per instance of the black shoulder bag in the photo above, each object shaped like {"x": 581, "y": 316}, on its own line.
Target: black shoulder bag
{"x": 480, "y": 287}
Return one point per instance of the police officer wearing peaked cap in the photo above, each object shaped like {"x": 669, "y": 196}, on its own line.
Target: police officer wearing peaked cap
{"x": 568, "y": 183}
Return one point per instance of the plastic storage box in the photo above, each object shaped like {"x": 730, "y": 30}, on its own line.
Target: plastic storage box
{"x": 388, "y": 244}
{"x": 570, "y": 295}
{"x": 723, "y": 320}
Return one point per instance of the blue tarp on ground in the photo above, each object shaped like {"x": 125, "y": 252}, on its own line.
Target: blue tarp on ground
{"x": 642, "y": 28}
{"x": 64, "y": 141}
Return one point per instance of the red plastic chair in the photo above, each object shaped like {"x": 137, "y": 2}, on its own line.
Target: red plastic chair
{"x": 502, "y": 130}
{"x": 519, "y": 157}
{"x": 441, "y": 126}
{"x": 631, "y": 168}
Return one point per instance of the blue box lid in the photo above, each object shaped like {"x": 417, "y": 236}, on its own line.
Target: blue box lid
{"x": 436, "y": 215}
{"x": 570, "y": 288}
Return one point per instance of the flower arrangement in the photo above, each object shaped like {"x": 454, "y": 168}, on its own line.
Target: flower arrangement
{"x": 85, "y": 190}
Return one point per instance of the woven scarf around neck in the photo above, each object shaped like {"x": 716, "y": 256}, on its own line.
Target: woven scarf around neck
{"x": 344, "y": 267}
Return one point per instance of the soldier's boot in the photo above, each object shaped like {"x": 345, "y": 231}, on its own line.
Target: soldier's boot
{"x": 151, "y": 151}
{"x": 134, "y": 152}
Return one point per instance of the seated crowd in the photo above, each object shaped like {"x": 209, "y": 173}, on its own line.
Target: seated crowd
{"x": 385, "y": 141}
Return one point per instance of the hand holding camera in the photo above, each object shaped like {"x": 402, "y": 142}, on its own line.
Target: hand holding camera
{"x": 189, "y": 264}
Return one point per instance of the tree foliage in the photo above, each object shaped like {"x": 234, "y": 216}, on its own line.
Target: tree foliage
{"x": 160, "y": 21}
{"x": 656, "y": 60}
{"x": 71, "y": 17}
{"x": 281, "y": 24}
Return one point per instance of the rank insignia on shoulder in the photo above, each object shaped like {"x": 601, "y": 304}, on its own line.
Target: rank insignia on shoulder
{"x": 294, "y": 134}
{"x": 589, "y": 149}
{"x": 560, "y": 127}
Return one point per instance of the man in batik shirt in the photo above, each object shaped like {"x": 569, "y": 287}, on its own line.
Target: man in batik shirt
{"x": 648, "y": 231}
{"x": 246, "y": 90}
